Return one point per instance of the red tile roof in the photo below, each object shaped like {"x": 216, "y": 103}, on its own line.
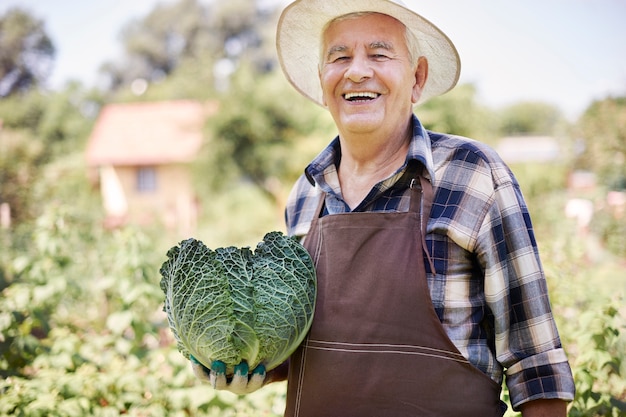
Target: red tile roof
{"x": 148, "y": 133}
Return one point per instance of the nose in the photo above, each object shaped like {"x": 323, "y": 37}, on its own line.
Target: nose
{"x": 359, "y": 69}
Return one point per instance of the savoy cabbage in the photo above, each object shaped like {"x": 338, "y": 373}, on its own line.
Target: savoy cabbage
{"x": 232, "y": 304}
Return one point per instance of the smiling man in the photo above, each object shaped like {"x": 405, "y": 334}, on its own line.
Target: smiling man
{"x": 369, "y": 84}
{"x": 430, "y": 286}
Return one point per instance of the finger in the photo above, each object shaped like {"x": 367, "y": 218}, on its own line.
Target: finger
{"x": 239, "y": 384}
{"x": 257, "y": 378}
{"x": 199, "y": 370}
{"x": 218, "y": 375}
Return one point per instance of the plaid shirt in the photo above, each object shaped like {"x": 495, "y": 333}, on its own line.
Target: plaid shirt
{"x": 489, "y": 289}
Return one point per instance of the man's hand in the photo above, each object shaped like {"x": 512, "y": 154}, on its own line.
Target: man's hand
{"x": 240, "y": 383}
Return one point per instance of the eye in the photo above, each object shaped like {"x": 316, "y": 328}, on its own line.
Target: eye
{"x": 380, "y": 57}
{"x": 339, "y": 58}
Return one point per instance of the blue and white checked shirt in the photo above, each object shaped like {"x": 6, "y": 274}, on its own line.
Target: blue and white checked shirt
{"x": 489, "y": 289}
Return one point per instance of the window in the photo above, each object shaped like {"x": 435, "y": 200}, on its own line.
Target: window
{"x": 146, "y": 179}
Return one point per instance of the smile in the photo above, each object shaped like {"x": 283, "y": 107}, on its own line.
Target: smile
{"x": 361, "y": 96}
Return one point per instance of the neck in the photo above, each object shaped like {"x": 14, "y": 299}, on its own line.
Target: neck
{"x": 367, "y": 160}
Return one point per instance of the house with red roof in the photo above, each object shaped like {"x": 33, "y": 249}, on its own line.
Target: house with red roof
{"x": 141, "y": 154}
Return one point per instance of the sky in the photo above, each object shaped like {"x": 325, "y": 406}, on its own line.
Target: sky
{"x": 562, "y": 52}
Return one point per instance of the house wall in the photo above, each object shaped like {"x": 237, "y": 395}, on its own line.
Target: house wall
{"x": 172, "y": 203}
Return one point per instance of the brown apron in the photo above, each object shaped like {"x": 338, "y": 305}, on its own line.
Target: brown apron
{"x": 377, "y": 347}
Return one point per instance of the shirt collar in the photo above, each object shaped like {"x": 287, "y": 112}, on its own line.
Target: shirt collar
{"x": 419, "y": 150}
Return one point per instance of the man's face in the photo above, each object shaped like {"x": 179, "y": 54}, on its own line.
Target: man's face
{"x": 367, "y": 79}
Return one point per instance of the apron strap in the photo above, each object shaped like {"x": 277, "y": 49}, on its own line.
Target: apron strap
{"x": 421, "y": 202}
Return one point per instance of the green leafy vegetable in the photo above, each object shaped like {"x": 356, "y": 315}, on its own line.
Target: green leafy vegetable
{"x": 233, "y": 305}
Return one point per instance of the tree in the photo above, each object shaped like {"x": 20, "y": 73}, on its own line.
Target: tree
{"x": 35, "y": 129}
{"x": 156, "y": 44}
{"x": 176, "y": 33}
{"x": 526, "y": 118}
{"x": 26, "y": 52}
{"x": 51, "y": 118}
{"x": 603, "y": 131}
{"x": 246, "y": 31}
{"x": 459, "y": 113}
{"x": 68, "y": 117}
{"x": 20, "y": 167}
{"x": 260, "y": 138}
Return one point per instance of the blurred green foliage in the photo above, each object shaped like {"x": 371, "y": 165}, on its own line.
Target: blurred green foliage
{"x": 27, "y": 52}
{"x": 82, "y": 328}
{"x": 602, "y": 128}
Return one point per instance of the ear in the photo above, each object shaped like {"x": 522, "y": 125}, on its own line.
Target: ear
{"x": 421, "y": 75}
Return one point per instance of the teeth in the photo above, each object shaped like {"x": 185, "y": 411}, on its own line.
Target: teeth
{"x": 360, "y": 95}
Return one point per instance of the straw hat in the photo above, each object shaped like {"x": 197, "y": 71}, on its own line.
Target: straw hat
{"x": 299, "y": 32}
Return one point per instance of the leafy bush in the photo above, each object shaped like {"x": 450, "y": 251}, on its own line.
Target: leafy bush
{"x": 83, "y": 332}
{"x": 600, "y": 365}
{"x": 612, "y": 230}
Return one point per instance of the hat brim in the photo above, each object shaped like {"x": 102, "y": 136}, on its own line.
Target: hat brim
{"x": 298, "y": 39}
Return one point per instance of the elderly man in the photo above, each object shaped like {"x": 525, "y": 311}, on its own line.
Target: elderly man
{"x": 430, "y": 283}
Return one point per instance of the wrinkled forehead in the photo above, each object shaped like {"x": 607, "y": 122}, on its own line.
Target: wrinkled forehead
{"x": 390, "y": 24}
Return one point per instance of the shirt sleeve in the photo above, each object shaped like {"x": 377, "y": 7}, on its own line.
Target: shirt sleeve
{"x": 527, "y": 342}
{"x": 300, "y": 207}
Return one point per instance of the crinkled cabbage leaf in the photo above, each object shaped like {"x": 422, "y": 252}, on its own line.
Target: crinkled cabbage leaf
{"x": 233, "y": 305}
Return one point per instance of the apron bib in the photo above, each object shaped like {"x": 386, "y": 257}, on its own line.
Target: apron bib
{"x": 376, "y": 347}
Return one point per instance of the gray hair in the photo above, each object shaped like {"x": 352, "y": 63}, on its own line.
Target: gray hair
{"x": 412, "y": 43}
